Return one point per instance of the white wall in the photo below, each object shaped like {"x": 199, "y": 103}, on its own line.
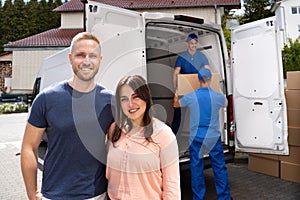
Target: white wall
{"x": 72, "y": 20}
{"x": 26, "y": 65}
{"x": 291, "y": 21}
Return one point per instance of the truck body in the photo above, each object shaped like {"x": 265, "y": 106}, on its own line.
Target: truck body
{"x": 149, "y": 43}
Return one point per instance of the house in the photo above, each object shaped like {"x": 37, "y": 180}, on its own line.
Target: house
{"x": 288, "y": 11}
{"x": 29, "y": 53}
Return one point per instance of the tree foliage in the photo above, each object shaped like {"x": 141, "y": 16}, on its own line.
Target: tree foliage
{"x": 20, "y": 20}
{"x": 291, "y": 56}
{"x": 255, "y": 10}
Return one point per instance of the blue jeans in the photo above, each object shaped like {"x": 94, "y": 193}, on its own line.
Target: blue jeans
{"x": 213, "y": 146}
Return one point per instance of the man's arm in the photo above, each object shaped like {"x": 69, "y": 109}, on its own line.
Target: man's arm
{"x": 175, "y": 74}
{"x": 208, "y": 67}
{"x": 31, "y": 140}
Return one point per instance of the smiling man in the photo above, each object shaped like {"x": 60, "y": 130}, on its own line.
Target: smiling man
{"x": 75, "y": 114}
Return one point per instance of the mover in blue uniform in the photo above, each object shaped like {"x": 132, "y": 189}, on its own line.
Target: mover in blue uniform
{"x": 189, "y": 62}
{"x": 205, "y": 136}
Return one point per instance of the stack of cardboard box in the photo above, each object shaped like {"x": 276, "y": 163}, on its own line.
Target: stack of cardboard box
{"x": 290, "y": 165}
{"x": 285, "y": 167}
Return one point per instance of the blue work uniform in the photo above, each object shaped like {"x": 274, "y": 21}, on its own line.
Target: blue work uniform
{"x": 205, "y": 137}
{"x": 189, "y": 64}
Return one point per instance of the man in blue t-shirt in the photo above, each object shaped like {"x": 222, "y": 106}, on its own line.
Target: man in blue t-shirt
{"x": 75, "y": 114}
{"x": 189, "y": 62}
{"x": 205, "y": 136}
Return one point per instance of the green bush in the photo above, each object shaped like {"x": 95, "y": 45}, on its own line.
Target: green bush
{"x": 291, "y": 56}
{"x": 13, "y": 108}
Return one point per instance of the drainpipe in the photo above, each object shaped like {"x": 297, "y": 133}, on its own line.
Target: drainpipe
{"x": 216, "y": 11}
{"x": 84, "y": 14}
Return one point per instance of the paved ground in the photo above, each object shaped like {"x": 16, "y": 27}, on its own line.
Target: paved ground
{"x": 245, "y": 185}
{"x": 11, "y": 132}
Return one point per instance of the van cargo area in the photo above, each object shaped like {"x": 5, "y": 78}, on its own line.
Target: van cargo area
{"x": 164, "y": 42}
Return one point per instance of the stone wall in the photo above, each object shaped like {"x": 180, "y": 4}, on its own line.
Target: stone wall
{"x": 5, "y": 71}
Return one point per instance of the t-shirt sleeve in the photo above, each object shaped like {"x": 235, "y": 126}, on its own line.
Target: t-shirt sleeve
{"x": 178, "y": 62}
{"x": 205, "y": 61}
{"x": 38, "y": 111}
{"x": 222, "y": 100}
{"x": 186, "y": 100}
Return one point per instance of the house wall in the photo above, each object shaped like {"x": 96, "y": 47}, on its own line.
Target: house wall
{"x": 26, "y": 65}
{"x": 291, "y": 22}
{"x": 72, "y": 20}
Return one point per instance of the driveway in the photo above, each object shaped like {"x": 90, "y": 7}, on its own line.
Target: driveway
{"x": 245, "y": 184}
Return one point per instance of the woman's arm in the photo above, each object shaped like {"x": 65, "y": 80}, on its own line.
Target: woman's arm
{"x": 170, "y": 166}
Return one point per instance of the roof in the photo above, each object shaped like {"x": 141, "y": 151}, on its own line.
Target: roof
{"x": 77, "y": 5}
{"x": 50, "y": 38}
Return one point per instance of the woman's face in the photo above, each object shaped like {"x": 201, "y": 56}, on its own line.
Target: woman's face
{"x": 132, "y": 105}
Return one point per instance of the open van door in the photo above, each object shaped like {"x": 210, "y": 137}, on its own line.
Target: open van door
{"x": 258, "y": 88}
{"x": 122, "y": 36}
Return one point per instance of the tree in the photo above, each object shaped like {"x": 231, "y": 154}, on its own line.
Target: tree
{"x": 227, "y": 33}
{"x": 20, "y": 20}
{"x": 291, "y": 56}
{"x": 255, "y": 10}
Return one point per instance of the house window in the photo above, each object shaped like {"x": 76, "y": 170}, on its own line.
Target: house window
{"x": 295, "y": 10}
{"x": 299, "y": 28}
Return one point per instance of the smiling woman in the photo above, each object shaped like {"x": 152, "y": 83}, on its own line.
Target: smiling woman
{"x": 142, "y": 158}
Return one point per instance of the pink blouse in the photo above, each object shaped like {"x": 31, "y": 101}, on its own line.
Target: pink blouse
{"x": 138, "y": 169}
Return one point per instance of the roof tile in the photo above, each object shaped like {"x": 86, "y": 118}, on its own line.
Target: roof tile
{"x": 77, "y": 5}
{"x": 50, "y": 38}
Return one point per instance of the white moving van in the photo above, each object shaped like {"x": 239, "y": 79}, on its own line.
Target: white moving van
{"x": 149, "y": 43}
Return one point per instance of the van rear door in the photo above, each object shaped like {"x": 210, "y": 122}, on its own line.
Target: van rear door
{"x": 122, "y": 36}
{"x": 258, "y": 88}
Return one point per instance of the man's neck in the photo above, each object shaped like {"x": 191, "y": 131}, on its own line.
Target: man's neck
{"x": 204, "y": 84}
{"x": 192, "y": 52}
{"x": 82, "y": 86}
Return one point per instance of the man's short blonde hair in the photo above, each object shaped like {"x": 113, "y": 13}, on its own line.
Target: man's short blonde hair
{"x": 84, "y": 36}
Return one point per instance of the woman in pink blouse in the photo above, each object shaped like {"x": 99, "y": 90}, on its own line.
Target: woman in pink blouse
{"x": 142, "y": 158}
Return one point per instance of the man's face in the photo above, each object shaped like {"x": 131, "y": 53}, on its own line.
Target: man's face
{"x": 85, "y": 59}
{"x": 193, "y": 45}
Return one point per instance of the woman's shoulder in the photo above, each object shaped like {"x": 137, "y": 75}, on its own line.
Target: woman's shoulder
{"x": 162, "y": 130}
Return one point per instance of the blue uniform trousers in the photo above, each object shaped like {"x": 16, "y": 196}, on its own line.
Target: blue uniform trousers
{"x": 213, "y": 146}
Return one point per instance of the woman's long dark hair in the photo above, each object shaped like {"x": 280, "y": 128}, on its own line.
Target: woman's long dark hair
{"x": 140, "y": 87}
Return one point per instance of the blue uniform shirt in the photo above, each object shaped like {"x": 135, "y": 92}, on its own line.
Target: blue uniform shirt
{"x": 190, "y": 64}
{"x": 204, "y": 105}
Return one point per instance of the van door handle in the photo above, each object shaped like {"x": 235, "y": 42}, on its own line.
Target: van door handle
{"x": 258, "y": 103}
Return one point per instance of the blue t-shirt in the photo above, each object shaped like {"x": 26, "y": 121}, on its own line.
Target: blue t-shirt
{"x": 76, "y": 123}
{"x": 191, "y": 64}
{"x": 204, "y": 105}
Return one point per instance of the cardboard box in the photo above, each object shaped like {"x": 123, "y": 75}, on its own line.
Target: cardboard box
{"x": 292, "y": 99}
{"x": 290, "y": 171}
{"x": 189, "y": 82}
{"x": 294, "y": 156}
{"x": 294, "y": 136}
{"x": 263, "y": 165}
{"x": 293, "y": 117}
{"x": 293, "y": 80}
{"x": 263, "y": 155}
